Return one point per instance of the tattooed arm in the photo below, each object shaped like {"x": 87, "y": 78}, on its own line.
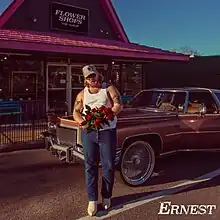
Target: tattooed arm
{"x": 78, "y": 108}
{"x": 116, "y": 99}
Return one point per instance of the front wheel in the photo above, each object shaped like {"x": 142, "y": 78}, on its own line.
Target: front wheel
{"x": 137, "y": 163}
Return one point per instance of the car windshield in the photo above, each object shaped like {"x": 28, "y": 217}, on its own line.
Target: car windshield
{"x": 159, "y": 99}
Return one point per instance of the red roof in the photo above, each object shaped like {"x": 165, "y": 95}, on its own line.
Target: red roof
{"x": 48, "y": 42}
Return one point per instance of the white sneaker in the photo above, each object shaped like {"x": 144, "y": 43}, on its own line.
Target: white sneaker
{"x": 92, "y": 208}
{"x": 106, "y": 203}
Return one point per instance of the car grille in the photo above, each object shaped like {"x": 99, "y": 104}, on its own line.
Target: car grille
{"x": 66, "y": 136}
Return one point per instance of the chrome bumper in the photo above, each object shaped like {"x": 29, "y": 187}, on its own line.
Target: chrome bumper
{"x": 71, "y": 153}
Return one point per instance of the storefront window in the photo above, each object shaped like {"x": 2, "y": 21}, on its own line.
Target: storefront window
{"x": 24, "y": 85}
{"x": 57, "y": 77}
{"x": 127, "y": 78}
{"x": 131, "y": 78}
{"x": 115, "y": 77}
{"x": 21, "y": 79}
{"x": 57, "y": 85}
{"x": 77, "y": 77}
{"x": 103, "y": 70}
{"x": 22, "y": 88}
{"x": 4, "y": 83}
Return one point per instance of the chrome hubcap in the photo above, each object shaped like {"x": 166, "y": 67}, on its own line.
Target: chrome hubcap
{"x": 138, "y": 163}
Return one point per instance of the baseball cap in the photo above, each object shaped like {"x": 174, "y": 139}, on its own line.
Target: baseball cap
{"x": 88, "y": 70}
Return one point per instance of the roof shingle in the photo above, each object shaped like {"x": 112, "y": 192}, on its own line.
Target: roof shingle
{"x": 70, "y": 42}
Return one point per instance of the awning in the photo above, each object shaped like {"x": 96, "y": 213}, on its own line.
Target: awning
{"x": 57, "y": 43}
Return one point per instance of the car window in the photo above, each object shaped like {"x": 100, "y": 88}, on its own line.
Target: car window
{"x": 170, "y": 101}
{"x": 217, "y": 95}
{"x": 198, "y": 99}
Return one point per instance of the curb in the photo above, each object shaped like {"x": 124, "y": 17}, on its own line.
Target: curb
{"x": 22, "y": 146}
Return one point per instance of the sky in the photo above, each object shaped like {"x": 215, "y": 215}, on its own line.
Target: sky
{"x": 169, "y": 24}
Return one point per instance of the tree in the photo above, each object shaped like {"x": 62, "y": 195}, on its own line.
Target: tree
{"x": 187, "y": 50}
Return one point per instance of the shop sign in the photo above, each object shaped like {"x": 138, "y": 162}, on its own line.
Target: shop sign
{"x": 69, "y": 18}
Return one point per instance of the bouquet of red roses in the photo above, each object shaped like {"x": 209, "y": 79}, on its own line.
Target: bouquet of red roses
{"x": 97, "y": 117}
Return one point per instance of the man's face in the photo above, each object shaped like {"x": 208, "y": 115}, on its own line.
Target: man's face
{"x": 92, "y": 80}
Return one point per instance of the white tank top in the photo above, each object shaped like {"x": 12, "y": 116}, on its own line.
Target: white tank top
{"x": 97, "y": 100}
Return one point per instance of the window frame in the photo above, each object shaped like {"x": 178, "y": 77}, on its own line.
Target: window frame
{"x": 212, "y": 95}
{"x": 161, "y": 91}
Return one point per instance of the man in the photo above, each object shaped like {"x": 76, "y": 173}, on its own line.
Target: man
{"x": 98, "y": 143}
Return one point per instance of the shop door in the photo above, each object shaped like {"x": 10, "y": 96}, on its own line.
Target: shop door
{"x": 77, "y": 81}
{"x": 58, "y": 89}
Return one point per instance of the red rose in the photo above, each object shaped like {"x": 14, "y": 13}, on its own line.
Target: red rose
{"x": 109, "y": 111}
{"x": 110, "y": 116}
{"x": 94, "y": 110}
{"x": 102, "y": 108}
{"x": 88, "y": 117}
{"x": 105, "y": 111}
{"x": 97, "y": 122}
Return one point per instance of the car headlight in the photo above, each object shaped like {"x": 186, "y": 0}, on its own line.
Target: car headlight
{"x": 52, "y": 126}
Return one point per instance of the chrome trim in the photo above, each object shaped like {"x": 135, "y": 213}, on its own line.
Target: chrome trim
{"x": 201, "y": 90}
{"x": 145, "y": 118}
{"x": 68, "y": 126}
{"x": 59, "y": 147}
{"x": 183, "y": 89}
{"x": 186, "y": 103}
{"x": 198, "y": 114}
{"x": 78, "y": 154}
{"x": 67, "y": 150}
{"x": 75, "y": 151}
{"x": 52, "y": 126}
{"x": 168, "y": 153}
{"x": 158, "y": 90}
{"x": 192, "y": 132}
{"x": 188, "y": 150}
{"x": 143, "y": 134}
{"x": 151, "y": 164}
{"x": 216, "y": 99}
{"x": 201, "y": 150}
{"x": 118, "y": 155}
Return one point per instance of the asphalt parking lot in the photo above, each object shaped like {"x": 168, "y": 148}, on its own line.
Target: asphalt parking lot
{"x": 35, "y": 185}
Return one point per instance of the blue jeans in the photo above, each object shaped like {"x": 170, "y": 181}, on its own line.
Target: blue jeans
{"x": 99, "y": 145}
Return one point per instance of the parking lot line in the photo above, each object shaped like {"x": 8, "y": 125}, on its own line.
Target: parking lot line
{"x": 154, "y": 196}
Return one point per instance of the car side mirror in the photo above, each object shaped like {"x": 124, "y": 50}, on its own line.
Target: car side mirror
{"x": 203, "y": 110}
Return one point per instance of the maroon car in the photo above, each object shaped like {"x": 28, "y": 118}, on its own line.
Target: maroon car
{"x": 155, "y": 122}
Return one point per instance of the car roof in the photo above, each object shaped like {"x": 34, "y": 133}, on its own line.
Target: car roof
{"x": 183, "y": 89}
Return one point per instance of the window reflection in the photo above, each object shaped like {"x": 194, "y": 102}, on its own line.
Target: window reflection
{"x": 24, "y": 82}
{"x": 57, "y": 76}
{"x": 115, "y": 76}
{"x": 166, "y": 100}
{"x": 77, "y": 77}
{"x": 4, "y": 86}
{"x": 131, "y": 78}
{"x": 127, "y": 78}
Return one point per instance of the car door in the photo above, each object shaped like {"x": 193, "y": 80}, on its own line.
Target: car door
{"x": 200, "y": 131}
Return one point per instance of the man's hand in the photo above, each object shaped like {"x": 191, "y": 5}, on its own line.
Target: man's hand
{"x": 116, "y": 99}
{"x": 78, "y": 108}
{"x": 83, "y": 125}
